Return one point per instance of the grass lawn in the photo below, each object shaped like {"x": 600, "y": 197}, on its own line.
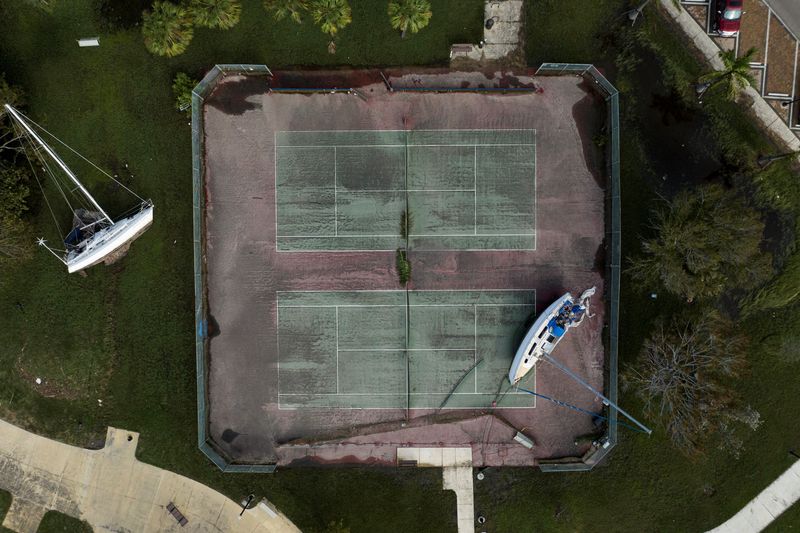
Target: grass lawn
{"x": 5, "y": 503}
{"x": 124, "y": 334}
{"x": 647, "y": 485}
{"x": 55, "y": 522}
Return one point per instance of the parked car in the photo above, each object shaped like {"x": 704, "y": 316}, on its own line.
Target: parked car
{"x": 727, "y": 17}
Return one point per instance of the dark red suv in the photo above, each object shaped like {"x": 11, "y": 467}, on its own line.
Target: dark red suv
{"x": 728, "y": 17}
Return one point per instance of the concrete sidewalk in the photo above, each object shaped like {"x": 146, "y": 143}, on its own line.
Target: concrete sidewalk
{"x": 112, "y": 491}
{"x": 767, "y": 506}
{"x": 456, "y": 465}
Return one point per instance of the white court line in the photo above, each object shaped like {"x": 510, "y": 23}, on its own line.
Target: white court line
{"x": 510, "y": 393}
{"x": 406, "y": 190}
{"x": 358, "y": 250}
{"x": 475, "y": 346}
{"x": 337, "y": 350}
{"x": 475, "y": 190}
{"x": 278, "y": 306}
{"x": 275, "y": 182}
{"x": 278, "y": 347}
{"x": 466, "y": 145}
{"x": 393, "y": 408}
{"x": 413, "y": 292}
{"x": 322, "y": 306}
{"x": 346, "y": 350}
{"x": 407, "y": 131}
{"x": 362, "y": 236}
{"x": 335, "y": 201}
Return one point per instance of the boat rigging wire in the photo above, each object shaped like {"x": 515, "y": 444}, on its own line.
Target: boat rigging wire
{"x": 576, "y": 408}
{"x": 577, "y": 378}
{"x": 82, "y": 157}
{"x": 49, "y": 207}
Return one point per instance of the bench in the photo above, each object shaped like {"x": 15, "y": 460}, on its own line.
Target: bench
{"x": 177, "y": 514}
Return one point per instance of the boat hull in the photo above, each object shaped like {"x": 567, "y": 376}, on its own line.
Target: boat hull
{"x": 536, "y": 343}
{"x": 105, "y": 242}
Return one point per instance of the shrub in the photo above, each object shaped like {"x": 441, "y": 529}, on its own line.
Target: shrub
{"x": 280, "y": 9}
{"x": 222, "y": 14}
{"x": 708, "y": 241}
{"x": 13, "y": 192}
{"x": 182, "y": 87}
{"x": 403, "y": 266}
{"x": 684, "y": 375}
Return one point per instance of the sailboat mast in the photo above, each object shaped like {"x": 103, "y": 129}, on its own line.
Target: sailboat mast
{"x": 13, "y": 112}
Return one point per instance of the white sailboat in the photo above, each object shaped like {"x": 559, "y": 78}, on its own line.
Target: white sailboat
{"x": 95, "y": 237}
{"x": 547, "y": 331}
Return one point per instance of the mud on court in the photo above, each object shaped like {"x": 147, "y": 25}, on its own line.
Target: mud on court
{"x": 319, "y": 354}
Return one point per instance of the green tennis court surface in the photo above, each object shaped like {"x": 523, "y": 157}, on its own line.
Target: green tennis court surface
{"x": 347, "y": 190}
{"x": 392, "y": 349}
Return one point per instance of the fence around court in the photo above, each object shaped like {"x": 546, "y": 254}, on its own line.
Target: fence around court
{"x": 613, "y": 238}
{"x": 199, "y": 93}
{"x": 613, "y": 253}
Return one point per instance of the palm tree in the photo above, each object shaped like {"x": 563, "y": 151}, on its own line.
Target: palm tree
{"x": 331, "y": 15}
{"x": 736, "y": 73}
{"x": 167, "y": 29}
{"x": 281, "y": 8}
{"x": 411, "y": 15}
{"x": 222, "y": 14}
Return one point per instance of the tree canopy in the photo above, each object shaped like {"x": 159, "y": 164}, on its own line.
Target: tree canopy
{"x": 331, "y": 15}
{"x": 686, "y": 375}
{"x": 280, "y": 9}
{"x": 707, "y": 241}
{"x": 167, "y": 29}
{"x": 413, "y": 15}
{"x": 222, "y": 14}
{"x": 736, "y": 75}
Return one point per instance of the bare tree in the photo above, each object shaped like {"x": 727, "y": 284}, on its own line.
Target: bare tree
{"x": 15, "y": 240}
{"x": 685, "y": 374}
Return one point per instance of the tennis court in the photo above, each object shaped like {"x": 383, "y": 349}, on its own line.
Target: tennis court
{"x": 349, "y": 190}
{"x": 398, "y": 349}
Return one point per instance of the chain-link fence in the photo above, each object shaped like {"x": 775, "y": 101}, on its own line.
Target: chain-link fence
{"x": 613, "y": 225}
{"x": 613, "y": 253}
{"x": 199, "y": 94}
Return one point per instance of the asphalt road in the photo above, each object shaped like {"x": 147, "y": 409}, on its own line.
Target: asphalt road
{"x": 788, "y": 11}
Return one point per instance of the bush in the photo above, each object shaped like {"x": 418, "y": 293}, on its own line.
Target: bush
{"x": 16, "y": 242}
{"x": 403, "y": 266}
{"x": 222, "y": 14}
{"x": 708, "y": 242}
{"x": 684, "y": 375}
{"x": 781, "y": 291}
{"x": 13, "y": 192}
{"x": 182, "y": 87}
